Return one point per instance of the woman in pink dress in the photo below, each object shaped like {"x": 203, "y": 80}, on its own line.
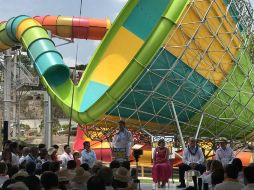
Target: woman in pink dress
{"x": 162, "y": 169}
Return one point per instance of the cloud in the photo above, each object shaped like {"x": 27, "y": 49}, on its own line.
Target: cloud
{"x": 252, "y": 2}
{"x": 70, "y": 62}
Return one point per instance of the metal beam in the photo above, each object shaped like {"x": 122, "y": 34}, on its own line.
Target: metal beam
{"x": 177, "y": 123}
{"x": 199, "y": 125}
{"x": 142, "y": 129}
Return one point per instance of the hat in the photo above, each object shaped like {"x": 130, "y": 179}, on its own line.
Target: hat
{"x": 222, "y": 139}
{"x": 19, "y": 185}
{"x": 20, "y": 173}
{"x": 51, "y": 150}
{"x": 64, "y": 175}
{"x": 81, "y": 176}
{"x": 122, "y": 174}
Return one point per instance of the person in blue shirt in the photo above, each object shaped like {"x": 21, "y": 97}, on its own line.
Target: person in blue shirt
{"x": 193, "y": 159}
{"x": 88, "y": 155}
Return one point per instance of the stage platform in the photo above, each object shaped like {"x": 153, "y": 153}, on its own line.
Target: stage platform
{"x": 149, "y": 186}
{"x": 146, "y": 184}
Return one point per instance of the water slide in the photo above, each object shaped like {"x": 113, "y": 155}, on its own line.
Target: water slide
{"x": 189, "y": 52}
{"x": 124, "y": 53}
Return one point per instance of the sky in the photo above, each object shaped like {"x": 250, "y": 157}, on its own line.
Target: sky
{"x": 90, "y": 8}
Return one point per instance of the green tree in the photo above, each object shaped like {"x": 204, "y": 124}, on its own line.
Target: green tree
{"x": 24, "y": 126}
{"x": 55, "y": 125}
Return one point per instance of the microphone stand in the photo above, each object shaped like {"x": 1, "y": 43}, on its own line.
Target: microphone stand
{"x": 137, "y": 181}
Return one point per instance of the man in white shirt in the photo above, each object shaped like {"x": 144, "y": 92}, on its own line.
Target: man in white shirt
{"x": 87, "y": 155}
{"x": 224, "y": 153}
{"x": 123, "y": 139}
{"x": 66, "y": 156}
{"x": 193, "y": 159}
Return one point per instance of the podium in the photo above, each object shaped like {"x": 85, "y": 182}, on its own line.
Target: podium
{"x": 119, "y": 154}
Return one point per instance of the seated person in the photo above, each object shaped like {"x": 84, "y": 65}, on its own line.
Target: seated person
{"x": 88, "y": 155}
{"x": 162, "y": 169}
{"x": 215, "y": 165}
{"x": 3, "y": 173}
{"x": 121, "y": 178}
{"x": 239, "y": 165}
{"x": 231, "y": 182}
{"x": 224, "y": 153}
{"x": 217, "y": 177}
{"x": 193, "y": 159}
{"x": 207, "y": 173}
{"x": 208, "y": 168}
{"x": 248, "y": 173}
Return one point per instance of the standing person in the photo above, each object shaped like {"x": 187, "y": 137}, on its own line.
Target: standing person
{"x": 123, "y": 139}
{"x": 76, "y": 157}
{"x": 25, "y": 152}
{"x": 66, "y": 156}
{"x": 193, "y": 158}
{"x": 224, "y": 153}
{"x": 52, "y": 154}
{"x": 88, "y": 155}
{"x": 14, "y": 153}
{"x": 6, "y": 155}
{"x": 162, "y": 169}
{"x": 56, "y": 147}
{"x": 32, "y": 156}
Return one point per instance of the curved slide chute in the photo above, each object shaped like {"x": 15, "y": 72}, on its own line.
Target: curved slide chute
{"x": 126, "y": 50}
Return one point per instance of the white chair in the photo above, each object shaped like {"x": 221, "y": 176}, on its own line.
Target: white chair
{"x": 189, "y": 174}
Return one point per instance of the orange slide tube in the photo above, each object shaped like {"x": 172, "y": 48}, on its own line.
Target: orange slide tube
{"x": 75, "y": 27}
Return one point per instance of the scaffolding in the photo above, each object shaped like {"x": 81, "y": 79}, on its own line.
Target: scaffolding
{"x": 13, "y": 76}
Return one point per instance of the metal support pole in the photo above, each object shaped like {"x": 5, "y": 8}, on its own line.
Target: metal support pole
{"x": 47, "y": 116}
{"x": 47, "y": 121}
{"x": 178, "y": 125}
{"x": 14, "y": 96}
{"x": 7, "y": 94}
{"x": 1, "y": 106}
{"x": 199, "y": 125}
{"x": 142, "y": 129}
